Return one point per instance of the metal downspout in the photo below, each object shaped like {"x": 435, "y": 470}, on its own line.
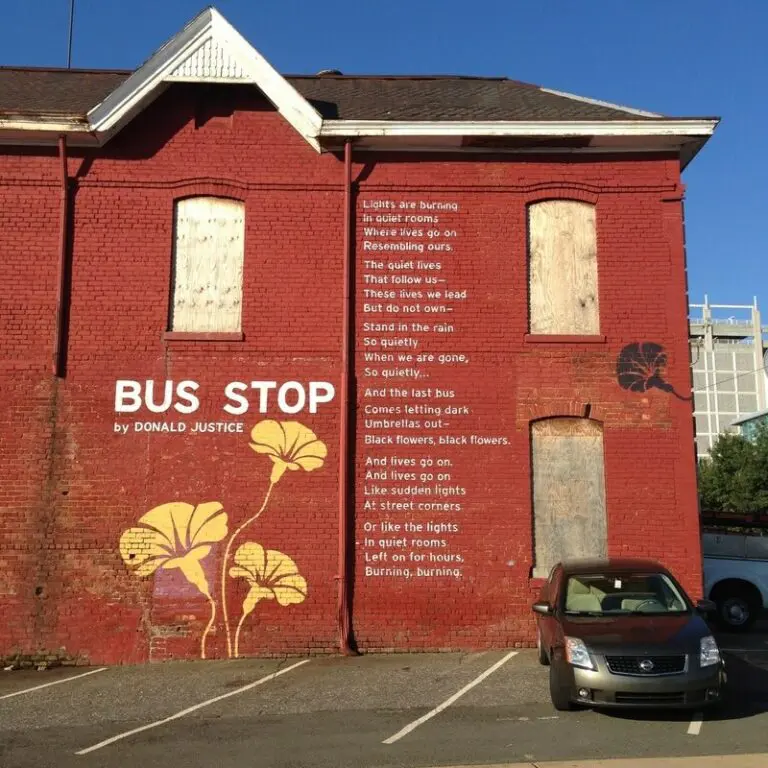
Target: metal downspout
{"x": 345, "y": 517}
{"x": 59, "y": 341}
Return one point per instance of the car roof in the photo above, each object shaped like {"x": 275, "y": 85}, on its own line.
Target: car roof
{"x": 611, "y": 564}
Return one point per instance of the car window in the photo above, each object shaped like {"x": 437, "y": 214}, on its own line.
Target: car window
{"x": 622, "y": 593}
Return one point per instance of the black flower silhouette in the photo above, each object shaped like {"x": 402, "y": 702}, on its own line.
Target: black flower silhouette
{"x": 642, "y": 366}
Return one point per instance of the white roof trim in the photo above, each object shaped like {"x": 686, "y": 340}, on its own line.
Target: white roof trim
{"x": 208, "y": 49}
{"x": 639, "y": 128}
{"x": 53, "y": 124}
{"x": 598, "y": 103}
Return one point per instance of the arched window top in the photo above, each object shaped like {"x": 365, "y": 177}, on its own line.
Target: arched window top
{"x": 575, "y": 426}
{"x": 569, "y": 513}
{"x": 221, "y": 206}
{"x": 222, "y": 200}
{"x": 562, "y": 258}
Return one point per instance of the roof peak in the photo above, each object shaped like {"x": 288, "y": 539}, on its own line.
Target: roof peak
{"x": 445, "y": 112}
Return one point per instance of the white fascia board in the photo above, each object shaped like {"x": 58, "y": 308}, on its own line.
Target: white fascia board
{"x": 51, "y": 125}
{"x": 146, "y": 82}
{"x": 629, "y": 128}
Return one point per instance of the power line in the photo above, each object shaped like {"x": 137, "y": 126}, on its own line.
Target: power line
{"x": 71, "y": 27}
{"x": 732, "y": 378}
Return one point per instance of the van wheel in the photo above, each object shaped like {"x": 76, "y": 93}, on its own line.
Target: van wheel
{"x": 543, "y": 658}
{"x": 738, "y": 605}
{"x": 561, "y": 700}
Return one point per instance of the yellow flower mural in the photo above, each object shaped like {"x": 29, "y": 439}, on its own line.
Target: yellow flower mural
{"x": 290, "y": 445}
{"x": 271, "y": 576}
{"x": 176, "y": 535}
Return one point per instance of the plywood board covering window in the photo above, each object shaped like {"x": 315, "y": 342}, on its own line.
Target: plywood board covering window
{"x": 563, "y": 268}
{"x": 568, "y": 491}
{"x": 208, "y": 265}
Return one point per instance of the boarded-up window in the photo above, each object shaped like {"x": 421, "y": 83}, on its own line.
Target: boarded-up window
{"x": 208, "y": 265}
{"x": 568, "y": 491}
{"x": 563, "y": 268}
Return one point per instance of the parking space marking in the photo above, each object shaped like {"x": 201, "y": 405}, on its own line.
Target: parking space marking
{"x": 53, "y": 682}
{"x": 191, "y": 709}
{"x": 694, "y": 728}
{"x": 447, "y": 703}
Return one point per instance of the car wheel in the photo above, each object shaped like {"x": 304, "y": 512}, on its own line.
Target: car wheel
{"x": 737, "y": 609}
{"x": 543, "y": 658}
{"x": 561, "y": 699}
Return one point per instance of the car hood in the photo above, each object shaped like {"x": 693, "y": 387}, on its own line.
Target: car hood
{"x": 639, "y": 634}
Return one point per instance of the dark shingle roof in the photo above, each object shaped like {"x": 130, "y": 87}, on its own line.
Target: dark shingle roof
{"x": 75, "y": 92}
{"x": 55, "y": 91}
{"x": 444, "y": 98}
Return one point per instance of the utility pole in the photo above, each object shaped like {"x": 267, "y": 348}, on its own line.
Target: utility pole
{"x": 71, "y": 26}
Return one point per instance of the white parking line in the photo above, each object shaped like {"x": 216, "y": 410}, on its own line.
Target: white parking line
{"x": 694, "y": 729}
{"x": 191, "y": 709}
{"x": 447, "y": 703}
{"x": 53, "y": 682}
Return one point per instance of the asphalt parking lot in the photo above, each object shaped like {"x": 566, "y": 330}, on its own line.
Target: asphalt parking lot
{"x": 399, "y": 710}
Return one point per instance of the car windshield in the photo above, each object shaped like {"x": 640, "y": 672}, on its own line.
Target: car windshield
{"x": 604, "y": 594}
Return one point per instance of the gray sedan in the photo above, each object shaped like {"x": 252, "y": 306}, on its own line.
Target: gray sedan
{"x": 623, "y": 633}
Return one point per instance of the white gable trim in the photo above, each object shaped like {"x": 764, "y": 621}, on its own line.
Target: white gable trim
{"x": 209, "y": 63}
{"x": 208, "y": 49}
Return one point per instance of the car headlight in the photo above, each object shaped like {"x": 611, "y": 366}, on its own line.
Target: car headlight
{"x": 709, "y": 653}
{"x": 577, "y": 654}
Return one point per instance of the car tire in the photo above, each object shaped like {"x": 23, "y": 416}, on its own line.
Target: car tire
{"x": 737, "y": 609}
{"x": 543, "y": 657}
{"x": 561, "y": 699}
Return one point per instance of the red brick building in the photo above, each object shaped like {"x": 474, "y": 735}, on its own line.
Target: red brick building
{"x": 291, "y": 364}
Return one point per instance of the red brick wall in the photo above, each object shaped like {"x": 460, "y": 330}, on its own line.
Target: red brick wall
{"x": 71, "y": 485}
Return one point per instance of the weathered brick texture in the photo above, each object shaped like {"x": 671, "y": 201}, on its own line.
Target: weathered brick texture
{"x": 71, "y": 486}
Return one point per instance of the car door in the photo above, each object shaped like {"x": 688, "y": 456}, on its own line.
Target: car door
{"x": 551, "y": 595}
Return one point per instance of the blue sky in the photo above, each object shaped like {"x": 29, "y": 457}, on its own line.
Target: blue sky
{"x": 679, "y": 57}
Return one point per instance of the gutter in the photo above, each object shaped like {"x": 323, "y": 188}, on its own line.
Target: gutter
{"x": 520, "y": 128}
{"x": 59, "y": 340}
{"x": 345, "y": 453}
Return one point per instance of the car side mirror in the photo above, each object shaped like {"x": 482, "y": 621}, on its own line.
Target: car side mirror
{"x": 706, "y": 606}
{"x": 545, "y": 609}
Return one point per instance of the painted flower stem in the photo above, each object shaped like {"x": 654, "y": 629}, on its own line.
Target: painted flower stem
{"x": 208, "y": 628}
{"x": 237, "y": 634}
{"x": 224, "y": 567}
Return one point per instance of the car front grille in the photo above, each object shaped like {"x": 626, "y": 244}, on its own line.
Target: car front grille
{"x": 645, "y": 666}
{"x": 650, "y": 698}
